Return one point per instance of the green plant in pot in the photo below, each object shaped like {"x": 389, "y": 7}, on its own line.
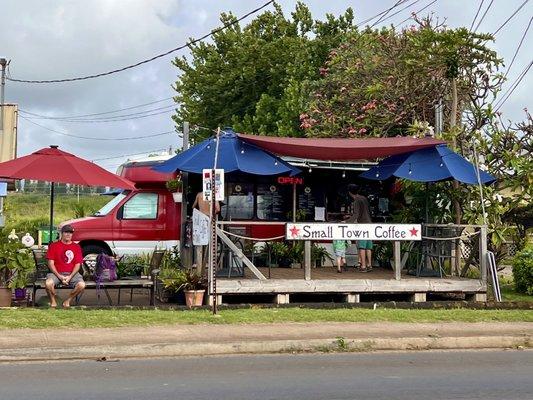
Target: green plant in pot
{"x": 172, "y": 284}
{"x": 319, "y": 255}
{"x": 194, "y": 286}
{"x": 175, "y": 186}
{"x": 295, "y": 253}
{"x": 279, "y": 252}
{"x": 16, "y": 267}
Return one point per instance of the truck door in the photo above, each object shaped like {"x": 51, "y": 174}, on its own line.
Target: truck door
{"x": 140, "y": 223}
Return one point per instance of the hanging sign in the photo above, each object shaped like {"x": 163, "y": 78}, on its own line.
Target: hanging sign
{"x": 219, "y": 184}
{"x": 390, "y": 232}
{"x": 200, "y": 228}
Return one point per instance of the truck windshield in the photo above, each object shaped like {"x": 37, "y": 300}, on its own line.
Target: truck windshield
{"x": 109, "y": 206}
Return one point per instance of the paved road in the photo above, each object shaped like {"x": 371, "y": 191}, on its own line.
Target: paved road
{"x": 412, "y": 375}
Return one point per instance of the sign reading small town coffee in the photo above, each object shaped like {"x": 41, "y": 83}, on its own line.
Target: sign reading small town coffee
{"x": 312, "y": 231}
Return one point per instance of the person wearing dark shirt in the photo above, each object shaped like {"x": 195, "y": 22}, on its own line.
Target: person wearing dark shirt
{"x": 64, "y": 261}
{"x": 360, "y": 214}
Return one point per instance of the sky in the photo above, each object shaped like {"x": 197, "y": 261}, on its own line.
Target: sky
{"x": 55, "y": 39}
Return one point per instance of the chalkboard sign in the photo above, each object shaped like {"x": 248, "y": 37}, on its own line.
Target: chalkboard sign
{"x": 306, "y": 202}
{"x": 271, "y": 202}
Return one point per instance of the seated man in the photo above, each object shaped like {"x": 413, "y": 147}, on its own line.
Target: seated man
{"x": 64, "y": 261}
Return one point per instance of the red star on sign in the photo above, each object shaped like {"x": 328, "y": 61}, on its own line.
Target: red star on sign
{"x": 294, "y": 231}
{"x": 414, "y": 231}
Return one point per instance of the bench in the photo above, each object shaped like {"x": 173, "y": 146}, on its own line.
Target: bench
{"x": 131, "y": 283}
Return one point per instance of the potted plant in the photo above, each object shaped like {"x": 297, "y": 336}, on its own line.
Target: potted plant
{"x": 279, "y": 253}
{"x": 172, "y": 284}
{"x": 16, "y": 266}
{"x": 174, "y": 186}
{"x": 319, "y": 254}
{"x": 296, "y": 254}
{"x": 194, "y": 286}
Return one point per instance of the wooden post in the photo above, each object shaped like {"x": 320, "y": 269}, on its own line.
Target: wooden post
{"x": 282, "y": 298}
{"x": 418, "y": 297}
{"x": 352, "y": 298}
{"x": 185, "y": 252}
{"x": 483, "y": 253}
{"x": 307, "y": 259}
{"x": 397, "y": 261}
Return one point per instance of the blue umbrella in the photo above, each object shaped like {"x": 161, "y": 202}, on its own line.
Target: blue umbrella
{"x": 233, "y": 155}
{"x": 432, "y": 164}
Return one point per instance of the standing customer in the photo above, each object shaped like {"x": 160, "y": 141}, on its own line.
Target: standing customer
{"x": 360, "y": 214}
{"x": 64, "y": 261}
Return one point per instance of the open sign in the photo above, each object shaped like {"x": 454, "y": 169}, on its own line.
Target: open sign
{"x": 290, "y": 180}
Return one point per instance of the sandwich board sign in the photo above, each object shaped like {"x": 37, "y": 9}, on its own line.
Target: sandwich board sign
{"x": 219, "y": 184}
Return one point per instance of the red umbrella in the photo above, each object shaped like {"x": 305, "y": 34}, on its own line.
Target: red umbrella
{"x": 54, "y": 165}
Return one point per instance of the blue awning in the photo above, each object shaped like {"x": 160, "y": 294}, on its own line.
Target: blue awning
{"x": 234, "y": 154}
{"x": 433, "y": 164}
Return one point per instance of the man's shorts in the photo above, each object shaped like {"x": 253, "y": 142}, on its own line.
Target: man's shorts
{"x": 340, "y": 253}
{"x": 77, "y": 278}
{"x": 364, "y": 244}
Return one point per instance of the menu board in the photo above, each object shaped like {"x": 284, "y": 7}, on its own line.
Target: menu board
{"x": 306, "y": 201}
{"x": 270, "y": 203}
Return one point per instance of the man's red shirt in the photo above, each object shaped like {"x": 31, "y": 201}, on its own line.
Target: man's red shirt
{"x": 65, "y": 256}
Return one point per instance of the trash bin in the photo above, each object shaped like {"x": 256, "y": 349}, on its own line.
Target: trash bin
{"x": 44, "y": 234}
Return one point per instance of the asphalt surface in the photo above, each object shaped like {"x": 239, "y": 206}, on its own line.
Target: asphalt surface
{"x": 406, "y": 375}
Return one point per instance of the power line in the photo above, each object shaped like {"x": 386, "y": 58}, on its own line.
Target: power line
{"x": 188, "y": 44}
{"x": 518, "y": 48}
{"x": 511, "y": 17}
{"x": 384, "y": 14}
{"x": 484, "y": 15}
{"x": 513, "y": 87}
{"x": 379, "y": 14}
{"x": 418, "y": 12}
{"x": 95, "y": 114}
{"x": 477, "y": 13}
{"x": 113, "y": 118}
{"x": 93, "y": 138}
{"x": 399, "y": 11}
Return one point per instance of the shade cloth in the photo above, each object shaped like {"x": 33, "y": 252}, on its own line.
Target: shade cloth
{"x": 234, "y": 154}
{"x": 433, "y": 164}
{"x": 336, "y": 149}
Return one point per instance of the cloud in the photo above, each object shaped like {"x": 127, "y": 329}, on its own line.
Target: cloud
{"x": 66, "y": 38}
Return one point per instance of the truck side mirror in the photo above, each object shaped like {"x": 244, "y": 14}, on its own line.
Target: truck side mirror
{"x": 120, "y": 213}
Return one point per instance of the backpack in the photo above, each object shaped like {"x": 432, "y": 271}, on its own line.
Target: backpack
{"x": 106, "y": 269}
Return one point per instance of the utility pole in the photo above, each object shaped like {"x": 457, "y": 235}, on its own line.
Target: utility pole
{"x": 3, "y": 64}
{"x": 439, "y": 117}
{"x": 185, "y": 253}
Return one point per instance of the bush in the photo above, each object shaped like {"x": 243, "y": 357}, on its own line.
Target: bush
{"x": 523, "y": 271}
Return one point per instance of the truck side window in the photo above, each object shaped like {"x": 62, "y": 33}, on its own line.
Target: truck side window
{"x": 141, "y": 206}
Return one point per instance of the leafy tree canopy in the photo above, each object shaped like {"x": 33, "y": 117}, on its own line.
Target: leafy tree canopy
{"x": 381, "y": 82}
{"x": 255, "y": 78}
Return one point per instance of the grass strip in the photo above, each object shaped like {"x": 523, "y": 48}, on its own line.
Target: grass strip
{"x": 111, "y": 318}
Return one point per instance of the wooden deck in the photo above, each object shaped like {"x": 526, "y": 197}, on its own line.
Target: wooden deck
{"x": 282, "y": 282}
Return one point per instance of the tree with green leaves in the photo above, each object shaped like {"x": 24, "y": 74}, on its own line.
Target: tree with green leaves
{"x": 256, "y": 78}
{"x": 384, "y": 82}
